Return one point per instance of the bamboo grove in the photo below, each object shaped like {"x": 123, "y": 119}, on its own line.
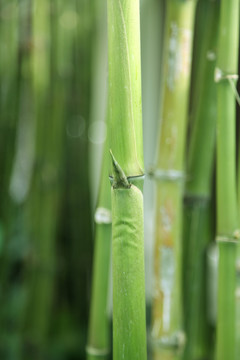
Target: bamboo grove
{"x": 119, "y": 180}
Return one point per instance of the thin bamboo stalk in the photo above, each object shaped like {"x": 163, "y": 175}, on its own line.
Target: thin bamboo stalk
{"x": 227, "y": 216}
{"x": 129, "y": 327}
{"x": 17, "y": 81}
{"x": 99, "y": 323}
{"x": 197, "y": 225}
{"x": 78, "y": 64}
{"x": 167, "y": 334}
{"x": 42, "y": 210}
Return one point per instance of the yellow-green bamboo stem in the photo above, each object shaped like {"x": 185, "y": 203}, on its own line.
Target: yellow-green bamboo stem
{"x": 227, "y": 216}
{"x": 167, "y": 318}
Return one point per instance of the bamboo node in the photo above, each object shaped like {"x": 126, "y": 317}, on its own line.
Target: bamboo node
{"x": 90, "y": 350}
{"x": 167, "y": 175}
{"x": 220, "y": 75}
{"x": 231, "y": 78}
{"x": 103, "y": 216}
{"x": 175, "y": 341}
{"x": 227, "y": 239}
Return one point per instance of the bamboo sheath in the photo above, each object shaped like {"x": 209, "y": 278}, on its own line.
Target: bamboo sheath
{"x": 227, "y": 217}
{"x": 167, "y": 335}
{"x": 129, "y": 330}
{"x": 129, "y": 324}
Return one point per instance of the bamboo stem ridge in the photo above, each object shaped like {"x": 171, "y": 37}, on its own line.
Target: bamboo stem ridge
{"x": 167, "y": 335}
{"x": 227, "y": 217}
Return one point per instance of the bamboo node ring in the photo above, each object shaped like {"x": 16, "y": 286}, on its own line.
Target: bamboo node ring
{"x": 103, "y": 216}
{"x": 90, "y": 350}
{"x": 166, "y": 175}
{"x": 227, "y": 239}
{"x": 175, "y": 341}
{"x": 220, "y": 75}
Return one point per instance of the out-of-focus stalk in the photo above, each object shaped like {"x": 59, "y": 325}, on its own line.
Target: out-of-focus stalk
{"x": 197, "y": 224}
{"x": 42, "y": 210}
{"x": 167, "y": 317}
{"x": 99, "y": 323}
{"x": 227, "y": 215}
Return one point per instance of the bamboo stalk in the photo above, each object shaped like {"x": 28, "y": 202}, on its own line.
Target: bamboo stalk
{"x": 17, "y": 71}
{"x": 129, "y": 327}
{"x": 99, "y": 323}
{"x": 197, "y": 226}
{"x": 77, "y": 152}
{"x": 167, "y": 334}
{"x": 42, "y": 209}
{"x": 227, "y": 217}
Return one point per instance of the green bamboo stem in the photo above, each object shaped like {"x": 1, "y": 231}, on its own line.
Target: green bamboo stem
{"x": 42, "y": 209}
{"x": 197, "y": 226}
{"x": 17, "y": 82}
{"x": 227, "y": 217}
{"x": 98, "y": 96}
{"x": 199, "y": 47}
{"x": 129, "y": 324}
{"x": 99, "y": 324}
{"x": 9, "y": 97}
{"x": 125, "y": 85}
{"x": 75, "y": 49}
{"x": 167, "y": 334}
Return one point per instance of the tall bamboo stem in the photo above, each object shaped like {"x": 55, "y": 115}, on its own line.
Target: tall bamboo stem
{"x": 227, "y": 217}
{"x": 99, "y": 324}
{"x": 167, "y": 317}
{"x": 129, "y": 328}
{"x": 197, "y": 225}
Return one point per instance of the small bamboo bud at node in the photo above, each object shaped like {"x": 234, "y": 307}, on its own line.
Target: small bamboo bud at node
{"x": 119, "y": 178}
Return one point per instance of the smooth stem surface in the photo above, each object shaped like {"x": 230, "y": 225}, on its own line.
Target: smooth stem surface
{"x": 125, "y": 85}
{"x": 167, "y": 317}
{"x": 227, "y": 217}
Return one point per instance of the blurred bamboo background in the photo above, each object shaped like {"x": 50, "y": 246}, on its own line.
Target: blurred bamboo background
{"x": 53, "y": 115}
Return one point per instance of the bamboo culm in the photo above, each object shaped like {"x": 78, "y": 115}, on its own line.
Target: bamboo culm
{"x": 227, "y": 216}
